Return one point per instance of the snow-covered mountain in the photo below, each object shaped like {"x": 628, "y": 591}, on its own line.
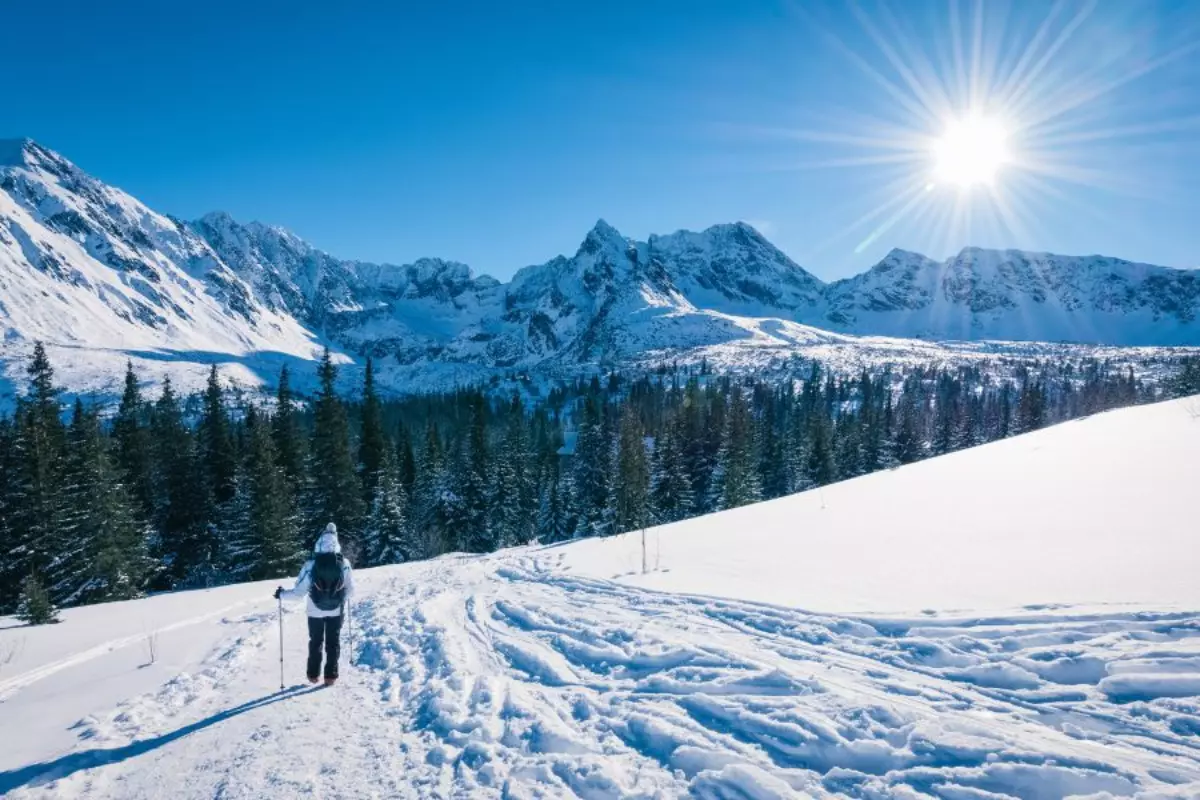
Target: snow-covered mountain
{"x": 84, "y": 265}
{"x": 1011, "y": 294}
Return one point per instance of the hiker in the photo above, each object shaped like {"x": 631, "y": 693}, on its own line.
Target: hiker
{"x": 327, "y": 582}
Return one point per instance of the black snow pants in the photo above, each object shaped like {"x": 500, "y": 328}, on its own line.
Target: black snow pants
{"x": 327, "y": 631}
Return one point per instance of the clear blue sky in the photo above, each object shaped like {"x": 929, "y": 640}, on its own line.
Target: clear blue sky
{"x": 497, "y": 134}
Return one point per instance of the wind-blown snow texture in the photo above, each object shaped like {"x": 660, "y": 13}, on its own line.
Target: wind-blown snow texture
{"x": 93, "y": 272}
{"x": 528, "y": 673}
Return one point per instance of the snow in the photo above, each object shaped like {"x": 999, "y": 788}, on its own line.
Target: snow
{"x": 1057, "y": 654}
{"x": 1091, "y": 512}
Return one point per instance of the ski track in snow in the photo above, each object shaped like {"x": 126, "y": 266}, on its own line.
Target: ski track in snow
{"x": 507, "y": 676}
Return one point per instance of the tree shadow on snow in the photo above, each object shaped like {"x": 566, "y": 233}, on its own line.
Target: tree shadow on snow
{"x": 65, "y": 766}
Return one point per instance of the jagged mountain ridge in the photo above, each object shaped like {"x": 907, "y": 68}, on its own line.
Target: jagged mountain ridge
{"x": 85, "y": 264}
{"x": 82, "y": 262}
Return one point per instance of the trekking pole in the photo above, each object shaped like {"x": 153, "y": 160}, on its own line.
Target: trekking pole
{"x": 280, "y": 599}
{"x": 350, "y": 624}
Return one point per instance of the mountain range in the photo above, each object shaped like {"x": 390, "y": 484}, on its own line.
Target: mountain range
{"x": 86, "y": 266}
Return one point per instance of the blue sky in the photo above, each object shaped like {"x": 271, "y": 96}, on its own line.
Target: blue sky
{"x": 496, "y": 134}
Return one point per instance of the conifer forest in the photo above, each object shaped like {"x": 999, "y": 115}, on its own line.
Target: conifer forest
{"x": 166, "y": 492}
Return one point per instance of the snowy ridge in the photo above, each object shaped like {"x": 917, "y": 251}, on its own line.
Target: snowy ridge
{"x": 101, "y": 277}
{"x": 86, "y": 266}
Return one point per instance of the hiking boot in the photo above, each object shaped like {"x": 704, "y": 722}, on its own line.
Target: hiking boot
{"x": 329, "y": 681}
{"x": 313, "y": 679}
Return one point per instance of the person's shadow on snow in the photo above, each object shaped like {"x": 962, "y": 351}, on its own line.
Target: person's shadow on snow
{"x": 48, "y": 771}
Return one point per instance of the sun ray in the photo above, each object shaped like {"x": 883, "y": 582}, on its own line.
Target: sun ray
{"x": 976, "y": 77}
{"x": 1064, "y": 36}
{"x": 919, "y": 196}
{"x": 851, "y": 161}
{"x": 896, "y": 193}
{"x": 1186, "y": 124}
{"x": 919, "y": 91}
{"x": 897, "y": 94}
{"x": 1058, "y": 108}
{"x": 922, "y": 67}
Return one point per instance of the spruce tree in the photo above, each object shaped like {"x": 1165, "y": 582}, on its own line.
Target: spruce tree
{"x": 406, "y": 459}
{"x": 103, "y": 556}
{"x": 216, "y": 442}
{"x": 134, "y": 455}
{"x": 289, "y": 438}
{"x": 10, "y": 578}
{"x": 513, "y": 501}
{"x": 36, "y": 606}
{"x": 671, "y": 490}
{"x": 553, "y": 520}
{"x": 736, "y": 481}
{"x": 631, "y": 490}
{"x": 184, "y": 502}
{"x": 373, "y": 442}
{"x": 337, "y": 490}
{"x": 821, "y": 468}
{"x": 471, "y": 520}
{"x": 592, "y": 477}
{"x": 773, "y": 462}
{"x": 38, "y": 505}
{"x": 909, "y": 441}
{"x": 389, "y": 538}
{"x": 273, "y": 518}
{"x": 433, "y": 502}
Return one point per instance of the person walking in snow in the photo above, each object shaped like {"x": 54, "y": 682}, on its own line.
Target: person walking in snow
{"x": 326, "y": 580}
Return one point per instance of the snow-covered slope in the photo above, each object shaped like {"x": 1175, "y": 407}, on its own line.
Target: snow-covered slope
{"x": 1095, "y": 512}
{"x": 84, "y": 263}
{"x": 101, "y": 277}
{"x": 562, "y": 672}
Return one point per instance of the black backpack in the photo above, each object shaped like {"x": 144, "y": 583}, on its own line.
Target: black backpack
{"x": 328, "y": 587}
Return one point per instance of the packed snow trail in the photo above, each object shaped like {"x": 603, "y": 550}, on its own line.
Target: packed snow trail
{"x": 507, "y": 676}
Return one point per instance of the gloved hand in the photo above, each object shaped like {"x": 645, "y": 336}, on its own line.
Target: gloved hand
{"x": 278, "y": 592}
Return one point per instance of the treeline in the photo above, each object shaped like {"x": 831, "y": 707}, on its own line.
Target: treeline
{"x": 157, "y": 497}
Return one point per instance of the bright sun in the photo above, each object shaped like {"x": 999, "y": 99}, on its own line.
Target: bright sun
{"x": 971, "y": 151}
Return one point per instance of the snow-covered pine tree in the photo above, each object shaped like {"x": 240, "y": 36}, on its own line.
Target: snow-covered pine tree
{"x": 183, "y": 502}
{"x": 35, "y": 606}
{"x": 337, "y": 491}
{"x": 9, "y": 582}
{"x": 592, "y": 476}
{"x": 737, "y": 478}
{"x": 39, "y": 455}
{"x": 372, "y": 443}
{"x": 433, "y": 503}
{"x": 671, "y": 491}
{"x": 773, "y": 463}
{"x": 134, "y": 455}
{"x": 273, "y": 520}
{"x": 290, "y": 451}
{"x": 406, "y": 460}
{"x": 554, "y": 519}
{"x": 216, "y": 441}
{"x": 910, "y": 438}
{"x": 388, "y": 538}
{"x": 513, "y": 511}
{"x": 631, "y": 486}
{"x": 472, "y": 523}
{"x": 820, "y": 468}
{"x": 102, "y": 555}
